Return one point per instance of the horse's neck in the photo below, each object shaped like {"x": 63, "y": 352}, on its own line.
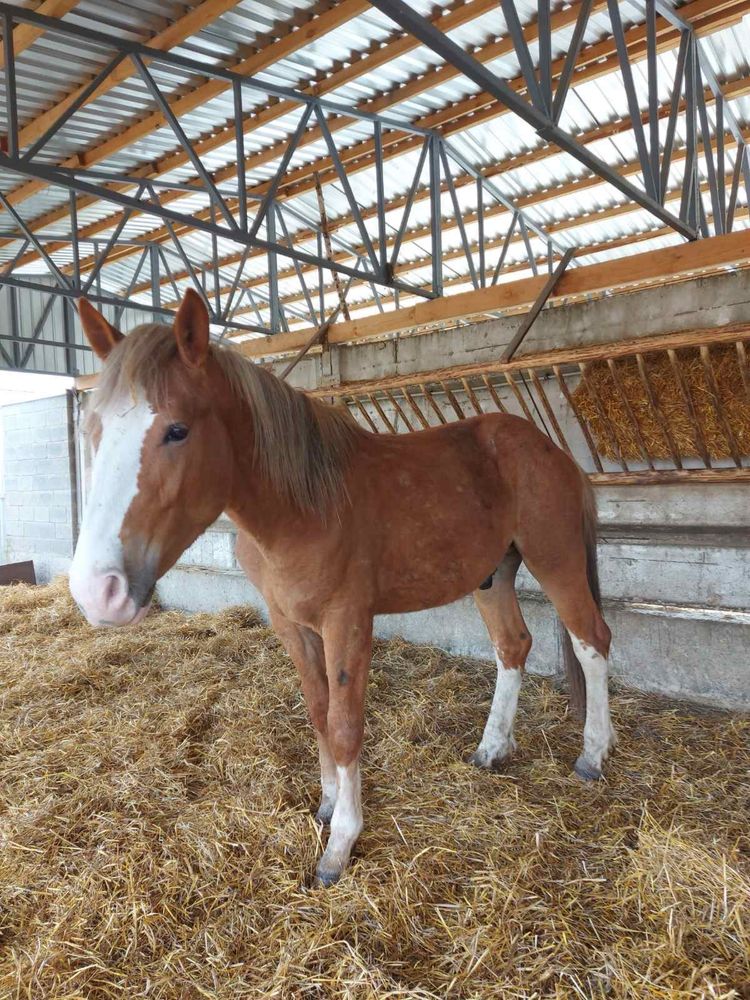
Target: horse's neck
{"x": 255, "y": 506}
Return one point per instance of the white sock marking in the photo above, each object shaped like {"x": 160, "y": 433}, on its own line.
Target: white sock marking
{"x": 598, "y": 735}
{"x": 497, "y": 741}
{"x": 346, "y": 823}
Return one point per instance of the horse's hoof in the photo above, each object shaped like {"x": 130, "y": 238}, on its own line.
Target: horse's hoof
{"x": 324, "y": 814}
{"x": 586, "y": 770}
{"x": 485, "y": 762}
{"x": 326, "y": 877}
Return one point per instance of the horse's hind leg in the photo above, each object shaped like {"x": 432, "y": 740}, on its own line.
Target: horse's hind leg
{"x": 501, "y": 613}
{"x": 565, "y": 582}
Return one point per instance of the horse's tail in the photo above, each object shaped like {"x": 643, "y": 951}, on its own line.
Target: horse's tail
{"x": 573, "y": 670}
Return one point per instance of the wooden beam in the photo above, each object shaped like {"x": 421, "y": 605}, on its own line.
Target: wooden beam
{"x": 25, "y": 35}
{"x": 652, "y": 266}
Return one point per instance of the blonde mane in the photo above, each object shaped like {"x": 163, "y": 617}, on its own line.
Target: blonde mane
{"x": 301, "y": 445}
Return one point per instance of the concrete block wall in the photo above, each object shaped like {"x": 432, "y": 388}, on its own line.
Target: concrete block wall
{"x": 37, "y": 505}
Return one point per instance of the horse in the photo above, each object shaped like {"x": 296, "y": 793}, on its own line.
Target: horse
{"x": 336, "y": 524}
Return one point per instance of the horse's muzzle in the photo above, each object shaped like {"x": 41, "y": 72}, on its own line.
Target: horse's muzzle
{"x": 107, "y": 599}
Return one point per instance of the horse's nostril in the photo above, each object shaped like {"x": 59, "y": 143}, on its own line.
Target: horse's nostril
{"x": 115, "y": 590}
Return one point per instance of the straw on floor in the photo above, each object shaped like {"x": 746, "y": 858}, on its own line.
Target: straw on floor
{"x": 157, "y": 840}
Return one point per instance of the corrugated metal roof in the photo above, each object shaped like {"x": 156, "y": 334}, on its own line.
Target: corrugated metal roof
{"x": 586, "y": 214}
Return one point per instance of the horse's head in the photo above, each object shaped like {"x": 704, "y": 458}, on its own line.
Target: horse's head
{"x": 162, "y": 465}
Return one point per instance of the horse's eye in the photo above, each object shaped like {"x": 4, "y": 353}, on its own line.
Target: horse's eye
{"x": 175, "y": 432}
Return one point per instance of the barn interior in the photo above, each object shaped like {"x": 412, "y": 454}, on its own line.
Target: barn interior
{"x": 421, "y": 212}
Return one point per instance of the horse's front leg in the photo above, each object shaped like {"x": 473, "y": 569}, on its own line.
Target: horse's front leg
{"x": 305, "y": 649}
{"x": 347, "y": 640}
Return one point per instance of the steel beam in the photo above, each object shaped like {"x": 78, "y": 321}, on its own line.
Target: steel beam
{"x": 431, "y": 36}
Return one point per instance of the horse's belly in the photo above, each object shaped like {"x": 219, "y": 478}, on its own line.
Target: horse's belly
{"x": 427, "y": 577}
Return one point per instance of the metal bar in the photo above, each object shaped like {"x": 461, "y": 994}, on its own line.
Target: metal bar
{"x": 75, "y": 182}
{"x": 570, "y": 59}
{"x": 380, "y": 200}
{"x": 163, "y": 106}
{"x": 634, "y": 110}
{"x": 276, "y": 315}
{"x": 674, "y": 109}
{"x": 581, "y": 422}
{"x": 73, "y": 208}
{"x": 687, "y": 399}
{"x": 39, "y": 247}
{"x": 735, "y": 188}
{"x": 688, "y": 203}
{"x": 38, "y": 327}
{"x": 131, "y": 284}
{"x": 102, "y": 257}
{"x": 506, "y": 246}
{"x": 289, "y": 152}
{"x": 527, "y": 244}
{"x": 408, "y": 204}
{"x": 717, "y": 205}
{"x": 298, "y": 270}
{"x": 458, "y": 217}
{"x": 8, "y": 268}
{"x": 11, "y": 97}
{"x": 239, "y": 139}
{"x": 326, "y": 233}
{"x": 661, "y": 418}
{"x": 630, "y": 412}
{"x": 451, "y": 51}
{"x": 154, "y": 273}
{"x": 545, "y": 54}
{"x": 82, "y": 98}
{"x": 539, "y": 304}
{"x": 653, "y": 96}
{"x": 480, "y": 234}
{"x": 713, "y": 391}
{"x": 522, "y": 52}
{"x": 436, "y": 221}
{"x": 344, "y": 181}
{"x": 13, "y": 317}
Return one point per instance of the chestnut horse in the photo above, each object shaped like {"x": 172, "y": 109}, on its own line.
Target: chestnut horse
{"x": 336, "y": 524}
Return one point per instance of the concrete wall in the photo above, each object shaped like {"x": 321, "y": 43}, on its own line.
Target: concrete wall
{"x": 37, "y": 509}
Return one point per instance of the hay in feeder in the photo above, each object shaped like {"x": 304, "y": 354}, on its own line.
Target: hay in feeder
{"x": 157, "y": 839}
{"x": 599, "y": 382}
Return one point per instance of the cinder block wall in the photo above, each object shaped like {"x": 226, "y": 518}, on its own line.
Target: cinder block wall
{"x": 38, "y": 516}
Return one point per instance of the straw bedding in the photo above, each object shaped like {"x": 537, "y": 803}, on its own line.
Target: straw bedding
{"x": 157, "y": 840}
{"x": 668, "y": 393}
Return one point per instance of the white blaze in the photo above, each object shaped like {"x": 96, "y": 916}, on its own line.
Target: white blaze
{"x": 114, "y": 484}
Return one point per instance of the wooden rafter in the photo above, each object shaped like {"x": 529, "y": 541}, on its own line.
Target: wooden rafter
{"x": 638, "y": 269}
{"x": 25, "y": 35}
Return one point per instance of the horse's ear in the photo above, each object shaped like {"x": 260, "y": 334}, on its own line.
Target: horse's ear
{"x": 191, "y": 329}
{"x": 100, "y": 334}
